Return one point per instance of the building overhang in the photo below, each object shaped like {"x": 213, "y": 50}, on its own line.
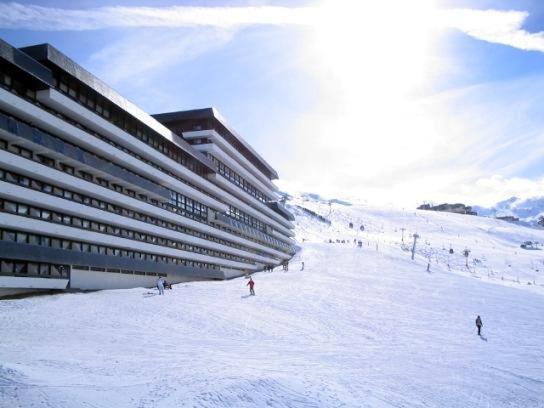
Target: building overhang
{"x": 210, "y": 118}
{"x": 39, "y": 73}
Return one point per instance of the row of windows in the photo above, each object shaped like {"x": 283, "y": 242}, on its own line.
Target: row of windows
{"x": 38, "y": 269}
{"x": 200, "y": 210}
{"x": 79, "y": 246}
{"x": 127, "y": 151}
{"x": 187, "y": 207}
{"x": 238, "y": 180}
{"x": 24, "y": 181}
{"x": 14, "y": 85}
{"x": 197, "y": 212}
{"x": 246, "y": 219}
{"x": 178, "y": 204}
{"x": 120, "y": 118}
{"x": 200, "y": 214}
{"x": 11, "y": 83}
{"x": 83, "y": 223}
{"x": 117, "y": 270}
{"x": 189, "y": 125}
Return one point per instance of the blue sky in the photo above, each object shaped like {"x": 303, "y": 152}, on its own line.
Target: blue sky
{"x": 386, "y": 101}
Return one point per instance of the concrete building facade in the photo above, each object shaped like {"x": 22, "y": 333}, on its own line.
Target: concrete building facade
{"x": 97, "y": 194}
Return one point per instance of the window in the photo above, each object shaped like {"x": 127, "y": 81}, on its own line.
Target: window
{"x": 45, "y": 269}
{"x": 9, "y": 236}
{"x": 20, "y": 268}
{"x": 67, "y": 169}
{"x": 6, "y": 266}
{"x": 35, "y": 212}
{"x": 33, "y": 239}
{"x": 10, "y": 206}
{"x": 35, "y": 184}
{"x": 86, "y": 176}
{"x": 33, "y": 268}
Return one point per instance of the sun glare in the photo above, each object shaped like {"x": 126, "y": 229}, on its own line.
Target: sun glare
{"x": 371, "y": 58}
{"x": 382, "y": 45}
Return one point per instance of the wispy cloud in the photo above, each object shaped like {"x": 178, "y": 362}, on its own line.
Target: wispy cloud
{"x": 31, "y": 17}
{"x": 122, "y": 60}
{"x": 500, "y": 27}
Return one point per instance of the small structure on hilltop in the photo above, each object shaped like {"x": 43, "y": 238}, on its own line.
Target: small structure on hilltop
{"x": 529, "y": 245}
{"x": 509, "y": 218}
{"x": 453, "y": 208}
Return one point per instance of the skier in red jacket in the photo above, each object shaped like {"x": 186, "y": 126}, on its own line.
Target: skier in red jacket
{"x": 251, "y": 283}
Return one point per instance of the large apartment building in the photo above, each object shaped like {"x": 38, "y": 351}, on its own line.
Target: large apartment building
{"x": 95, "y": 193}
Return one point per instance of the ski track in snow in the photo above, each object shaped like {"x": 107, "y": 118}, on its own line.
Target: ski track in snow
{"x": 359, "y": 327}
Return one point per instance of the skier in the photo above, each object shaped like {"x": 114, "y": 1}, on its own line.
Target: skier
{"x": 302, "y": 268}
{"x": 251, "y": 283}
{"x": 160, "y": 285}
{"x": 479, "y": 324}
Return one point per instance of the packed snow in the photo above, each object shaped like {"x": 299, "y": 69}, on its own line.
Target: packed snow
{"x": 358, "y": 327}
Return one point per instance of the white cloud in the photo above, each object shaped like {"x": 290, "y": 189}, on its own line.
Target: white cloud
{"x": 30, "y": 17}
{"x": 500, "y": 27}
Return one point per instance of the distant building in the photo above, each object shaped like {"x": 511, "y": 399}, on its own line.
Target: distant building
{"x": 509, "y": 218}
{"x": 95, "y": 193}
{"x": 452, "y": 208}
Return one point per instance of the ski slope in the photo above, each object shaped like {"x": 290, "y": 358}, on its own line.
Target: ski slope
{"x": 358, "y": 327}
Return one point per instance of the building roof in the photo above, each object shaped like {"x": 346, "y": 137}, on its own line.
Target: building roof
{"x": 49, "y": 55}
{"x": 21, "y": 60}
{"x": 222, "y": 127}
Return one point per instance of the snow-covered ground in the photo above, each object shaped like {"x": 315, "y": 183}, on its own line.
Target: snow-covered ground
{"x": 358, "y": 327}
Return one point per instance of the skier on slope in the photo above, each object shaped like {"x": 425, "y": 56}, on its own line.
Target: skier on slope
{"x": 251, "y": 284}
{"x": 479, "y": 324}
{"x": 160, "y": 285}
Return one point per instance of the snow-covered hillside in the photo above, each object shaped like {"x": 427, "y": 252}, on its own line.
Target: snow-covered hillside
{"x": 358, "y": 327}
{"x": 494, "y": 245}
{"x": 528, "y": 210}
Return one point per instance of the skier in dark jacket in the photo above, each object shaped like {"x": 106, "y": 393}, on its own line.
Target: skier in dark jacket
{"x": 479, "y": 324}
{"x": 251, "y": 283}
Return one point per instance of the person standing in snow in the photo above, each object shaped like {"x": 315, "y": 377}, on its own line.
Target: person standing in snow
{"x": 160, "y": 285}
{"x": 479, "y": 324}
{"x": 251, "y": 284}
